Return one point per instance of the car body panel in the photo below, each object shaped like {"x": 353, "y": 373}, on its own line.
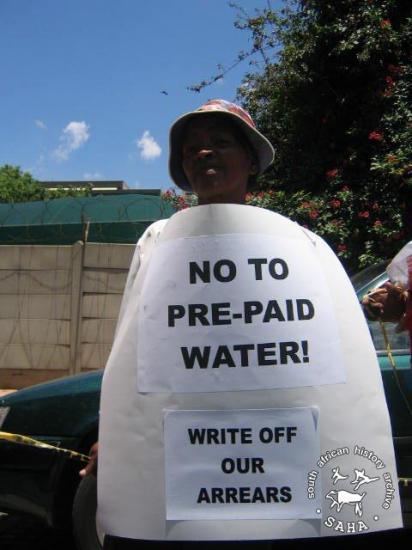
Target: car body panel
{"x": 63, "y": 413}
{"x": 29, "y": 481}
{"x": 74, "y": 401}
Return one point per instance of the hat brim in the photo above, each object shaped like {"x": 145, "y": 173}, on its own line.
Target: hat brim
{"x": 261, "y": 145}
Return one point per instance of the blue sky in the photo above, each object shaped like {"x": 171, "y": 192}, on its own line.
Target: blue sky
{"x": 82, "y": 80}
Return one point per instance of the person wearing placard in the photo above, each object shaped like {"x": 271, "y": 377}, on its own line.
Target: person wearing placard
{"x": 217, "y": 421}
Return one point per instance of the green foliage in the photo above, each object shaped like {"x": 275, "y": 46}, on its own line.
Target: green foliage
{"x": 18, "y": 186}
{"x": 331, "y": 88}
{"x": 69, "y": 192}
{"x": 179, "y": 201}
{"x": 348, "y": 221}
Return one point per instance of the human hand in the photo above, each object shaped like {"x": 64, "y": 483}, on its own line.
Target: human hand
{"x": 387, "y": 303}
{"x": 91, "y": 466}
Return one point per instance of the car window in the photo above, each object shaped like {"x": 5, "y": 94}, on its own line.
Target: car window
{"x": 398, "y": 341}
{"x": 367, "y": 275}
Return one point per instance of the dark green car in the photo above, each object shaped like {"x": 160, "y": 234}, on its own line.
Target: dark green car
{"x": 66, "y": 413}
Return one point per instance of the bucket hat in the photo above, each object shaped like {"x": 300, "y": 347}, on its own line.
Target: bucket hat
{"x": 261, "y": 145}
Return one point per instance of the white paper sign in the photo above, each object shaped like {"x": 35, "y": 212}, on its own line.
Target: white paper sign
{"x": 236, "y": 312}
{"x": 240, "y": 464}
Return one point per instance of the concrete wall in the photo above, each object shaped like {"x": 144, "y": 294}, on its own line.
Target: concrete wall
{"x": 58, "y": 308}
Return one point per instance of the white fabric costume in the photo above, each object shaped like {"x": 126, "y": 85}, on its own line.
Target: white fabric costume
{"x": 352, "y": 414}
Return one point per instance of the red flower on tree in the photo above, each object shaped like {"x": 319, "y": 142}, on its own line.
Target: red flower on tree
{"x": 182, "y": 202}
{"x": 394, "y": 69}
{"x": 375, "y": 136}
{"x": 385, "y": 23}
{"x": 363, "y": 214}
{"x": 342, "y": 248}
{"x": 390, "y": 83}
{"x": 335, "y": 203}
{"x": 378, "y": 223}
{"x": 313, "y": 214}
{"x": 331, "y": 174}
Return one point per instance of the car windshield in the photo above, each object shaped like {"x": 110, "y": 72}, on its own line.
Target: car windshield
{"x": 367, "y": 275}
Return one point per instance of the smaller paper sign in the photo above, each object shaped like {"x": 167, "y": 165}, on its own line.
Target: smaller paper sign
{"x": 240, "y": 464}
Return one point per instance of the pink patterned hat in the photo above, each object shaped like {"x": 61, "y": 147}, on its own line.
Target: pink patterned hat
{"x": 261, "y": 145}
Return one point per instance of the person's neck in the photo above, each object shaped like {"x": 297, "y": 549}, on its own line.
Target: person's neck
{"x": 223, "y": 200}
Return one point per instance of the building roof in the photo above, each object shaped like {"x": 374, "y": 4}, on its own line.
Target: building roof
{"x": 100, "y": 186}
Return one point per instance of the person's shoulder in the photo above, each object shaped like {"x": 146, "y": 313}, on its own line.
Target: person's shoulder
{"x": 320, "y": 246}
{"x": 152, "y": 232}
{"x": 311, "y": 236}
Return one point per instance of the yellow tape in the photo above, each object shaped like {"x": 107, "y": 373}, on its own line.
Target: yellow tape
{"x": 24, "y": 440}
{"x": 405, "y": 481}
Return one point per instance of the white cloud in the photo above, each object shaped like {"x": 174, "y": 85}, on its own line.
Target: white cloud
{"x": 38, "y": 170}
{"x": 40, "y": 124}
{"x": 92, "y": 176}
{"x": 149, "y": 149}
{"x": 73, "y": 136}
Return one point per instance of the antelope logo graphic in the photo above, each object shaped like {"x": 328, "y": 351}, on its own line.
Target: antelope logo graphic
{"x": 352, "y": 507}
{"x": 339, "y": 498}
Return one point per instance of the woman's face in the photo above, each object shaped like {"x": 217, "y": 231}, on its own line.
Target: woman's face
{"x": 216, "y": 161}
